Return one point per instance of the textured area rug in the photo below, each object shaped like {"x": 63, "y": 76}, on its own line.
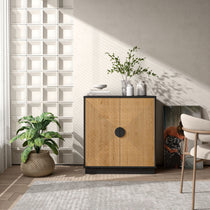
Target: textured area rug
{"x": 113, "y": 195}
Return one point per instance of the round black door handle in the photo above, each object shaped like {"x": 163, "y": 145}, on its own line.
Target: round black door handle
{"x": 119, "y": 132}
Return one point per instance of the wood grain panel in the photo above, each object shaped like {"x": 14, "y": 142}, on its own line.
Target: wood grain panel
{"x": 137, "y": 117}
{"x": 101, "y": 144}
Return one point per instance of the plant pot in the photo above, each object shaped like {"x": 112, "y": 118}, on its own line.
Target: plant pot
{"x": 38, "y": 164}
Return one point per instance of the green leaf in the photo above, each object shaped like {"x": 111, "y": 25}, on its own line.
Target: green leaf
{"x": 17, "y": 137}
{"x": 29, "y": 134}
{"x": 52, "y": 141}
{"x": 25, "y": 153}
{"x": 22, "y": 136}
{"x": 45, "y": 124}
{"x": 52, "y": 147}
{"x": 37, "y": 125}
{"x": 37, "y": 119}
{"x": 28, "y": 118}
{"x": 23, "y": 128}
{"x": 30, "y": 143}
{"x": 25, "y": 144}
{"x": 52, "y": 134}
{"x": 25, "y": 122}
{"x": 39, "y": 141}
{"x": 45, "y": 114}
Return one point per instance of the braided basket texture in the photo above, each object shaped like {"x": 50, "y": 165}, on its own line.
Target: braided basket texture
{"x": 38, "y": 164}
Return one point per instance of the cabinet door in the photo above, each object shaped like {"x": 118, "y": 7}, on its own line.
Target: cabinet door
{"x": 101, "y": 120}
{"x": 137, "y": 117}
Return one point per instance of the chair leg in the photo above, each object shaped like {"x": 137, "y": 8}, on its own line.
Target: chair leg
{"x": 183, "y": 163}
{"x": 194, "y": 171}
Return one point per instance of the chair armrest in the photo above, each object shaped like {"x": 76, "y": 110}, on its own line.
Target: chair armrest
{"x": 195, "y": 131}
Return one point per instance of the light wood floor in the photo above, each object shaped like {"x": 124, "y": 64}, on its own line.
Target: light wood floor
{"x": 13, "y": 185}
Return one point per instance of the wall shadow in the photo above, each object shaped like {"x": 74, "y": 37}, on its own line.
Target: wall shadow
{"x": 177, "y": 33}
{"x": 173, "y": 35}
{"x": 78, "y": 149}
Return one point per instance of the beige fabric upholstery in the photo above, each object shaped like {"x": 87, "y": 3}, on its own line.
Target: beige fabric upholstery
{"x": 203, "y": 151}
{"x": 194, "y": 123}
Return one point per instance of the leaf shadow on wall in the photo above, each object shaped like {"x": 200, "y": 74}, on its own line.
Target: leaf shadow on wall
{"x": 169, "y": 88}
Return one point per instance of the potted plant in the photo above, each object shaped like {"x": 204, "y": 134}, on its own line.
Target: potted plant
{"x": 129, "y": 68}
{"x": 34, "y": 160}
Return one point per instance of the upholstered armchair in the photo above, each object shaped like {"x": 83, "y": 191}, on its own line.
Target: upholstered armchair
{"x": 195, "y": 129}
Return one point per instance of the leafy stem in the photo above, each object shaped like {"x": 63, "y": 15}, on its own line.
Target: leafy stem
{"x": 131, "y": 66}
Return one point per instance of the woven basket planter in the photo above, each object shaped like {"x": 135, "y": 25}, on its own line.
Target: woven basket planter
{"x": 38, "y": 164}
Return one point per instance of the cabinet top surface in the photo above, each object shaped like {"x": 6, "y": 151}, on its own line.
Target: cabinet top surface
{"x": 117, "y": 96}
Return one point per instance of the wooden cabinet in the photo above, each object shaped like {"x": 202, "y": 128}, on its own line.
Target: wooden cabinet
{"x": 131, "y": 147}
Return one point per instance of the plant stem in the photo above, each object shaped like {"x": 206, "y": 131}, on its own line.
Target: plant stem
{"x": 37, "y": 149}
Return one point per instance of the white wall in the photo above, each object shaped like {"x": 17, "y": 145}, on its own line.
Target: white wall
{"x": 173, "y": 35}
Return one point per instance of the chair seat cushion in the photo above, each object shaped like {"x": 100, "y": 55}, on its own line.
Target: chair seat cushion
{"x": 203, "y": 151}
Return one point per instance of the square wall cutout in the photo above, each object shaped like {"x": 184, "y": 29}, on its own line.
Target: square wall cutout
{"x": 50, "y": 94}
{"x": 68, "y": 143}
{"x": 18, "y": 4}
{"x": 50, "y": 3}
{"x": 65, "y": 79}
{"x": 18, "y": 94}
{"x": 34, "y": 32}
{"x": 50, "y": 32}
{"x": 50, "y": 63}
{"x": 65, "y": 63}
{"x": 34, "y": 79}
{"x": 34, "y": 63}
{"x": 66, "y": 125}
{"x": 66, "y": 16}
{"x": 18, "y": 63}
{"x": 65, "y": 32}
{"x": 50, "y": 79}
{"x": 65, "y": 48}
{"x": 18, "y": 47}
{"x": 18, "y": 31}
{"x": 34, "y": 94}
{"x": 65, "y": 94}
{"x": 18, "y": 78}
{"x": 34, "y": 16}
{"x": 52, "y": 108}
{"x": 35, "y": 48}
{"x": 66, "y": 3}
{"x": 34, "y": 109}
{"x": 50, "y": 48}
{"x": 50, "y": 16}
{"x": 18, "y": 16}
{"x": 18, "y": 109}
{"x": 34, "y": 3}
{"x": 65, "y": 110}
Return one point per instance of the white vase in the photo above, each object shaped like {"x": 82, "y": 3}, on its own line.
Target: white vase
{"x": 129, "y": 89}
{"x": 141, "y": 88}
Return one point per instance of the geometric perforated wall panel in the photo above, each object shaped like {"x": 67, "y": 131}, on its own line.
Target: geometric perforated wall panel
{"x": 41, "y": 69}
